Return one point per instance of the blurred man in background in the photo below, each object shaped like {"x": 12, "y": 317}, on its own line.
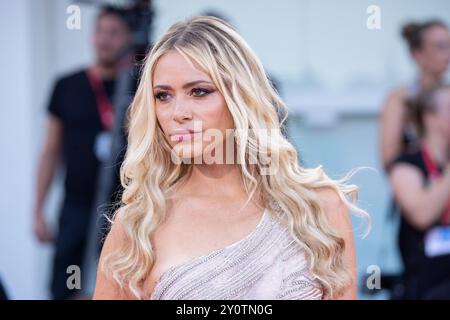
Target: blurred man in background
{"x": 80, "y": 121}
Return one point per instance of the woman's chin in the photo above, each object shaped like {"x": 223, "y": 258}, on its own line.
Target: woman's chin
{"x": 189, "y": 152}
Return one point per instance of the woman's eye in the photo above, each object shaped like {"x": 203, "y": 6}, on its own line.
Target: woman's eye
{"x": 162, "y": 96}
{"x": 199, "y": 92}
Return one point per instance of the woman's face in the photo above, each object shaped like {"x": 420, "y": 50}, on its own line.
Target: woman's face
{"x": 189, "y": 107}
{"x": 434, "y": 56}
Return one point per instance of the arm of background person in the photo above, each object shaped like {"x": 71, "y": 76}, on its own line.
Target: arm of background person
{"x": 392, "y": 121}
{"x": 421, "y": 204}
{"x": 47, "y": 166}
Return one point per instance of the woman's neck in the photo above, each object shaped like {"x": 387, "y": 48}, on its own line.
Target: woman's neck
{"x": 428, "y": 79}
{"x": 215, "y": 180}
{"x": 437, "y": 146}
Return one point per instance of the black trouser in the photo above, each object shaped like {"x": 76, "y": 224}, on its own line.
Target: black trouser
{"x": 70, "y": 248}
{"x": 439, "y": 292}
{"x": 419, "y": 286}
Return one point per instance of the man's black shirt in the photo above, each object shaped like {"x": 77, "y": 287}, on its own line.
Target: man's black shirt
{"x": 74, "y": 103}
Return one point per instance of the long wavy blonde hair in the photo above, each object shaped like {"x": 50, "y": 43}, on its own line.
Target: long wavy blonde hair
{"x": 148, "y": 173}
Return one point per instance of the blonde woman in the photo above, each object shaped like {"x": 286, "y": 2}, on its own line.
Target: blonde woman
{"x": 252, "y": 223}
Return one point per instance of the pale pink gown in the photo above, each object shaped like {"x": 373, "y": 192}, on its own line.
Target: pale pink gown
{"x": 267, "y": 264}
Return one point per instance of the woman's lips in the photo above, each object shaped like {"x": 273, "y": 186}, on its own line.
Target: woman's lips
{"x": 183, "y": 135}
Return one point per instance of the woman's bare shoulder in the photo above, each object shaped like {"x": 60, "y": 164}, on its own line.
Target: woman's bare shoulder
{"x": 396, "y": 96}
{"x": 330, "y": 201}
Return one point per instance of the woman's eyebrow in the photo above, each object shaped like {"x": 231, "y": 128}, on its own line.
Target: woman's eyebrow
{"x": 187, "y": 85}
{"x": 193, "y": 83}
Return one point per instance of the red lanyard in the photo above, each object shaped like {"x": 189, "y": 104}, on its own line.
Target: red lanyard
{"x": 434, "y": 173}
{"x": 104, "y": 106}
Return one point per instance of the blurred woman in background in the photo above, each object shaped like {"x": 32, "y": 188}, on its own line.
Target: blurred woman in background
{"x": 420, "y": 179}
{"x": 429, "y": 45}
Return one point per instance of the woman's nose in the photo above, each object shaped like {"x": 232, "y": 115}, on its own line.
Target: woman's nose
{"x": 181, "y": 111}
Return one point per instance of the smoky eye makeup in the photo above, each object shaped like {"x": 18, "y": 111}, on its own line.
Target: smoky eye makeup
{"x": 161, "y": 95}
{"x": 201, "y": 91}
